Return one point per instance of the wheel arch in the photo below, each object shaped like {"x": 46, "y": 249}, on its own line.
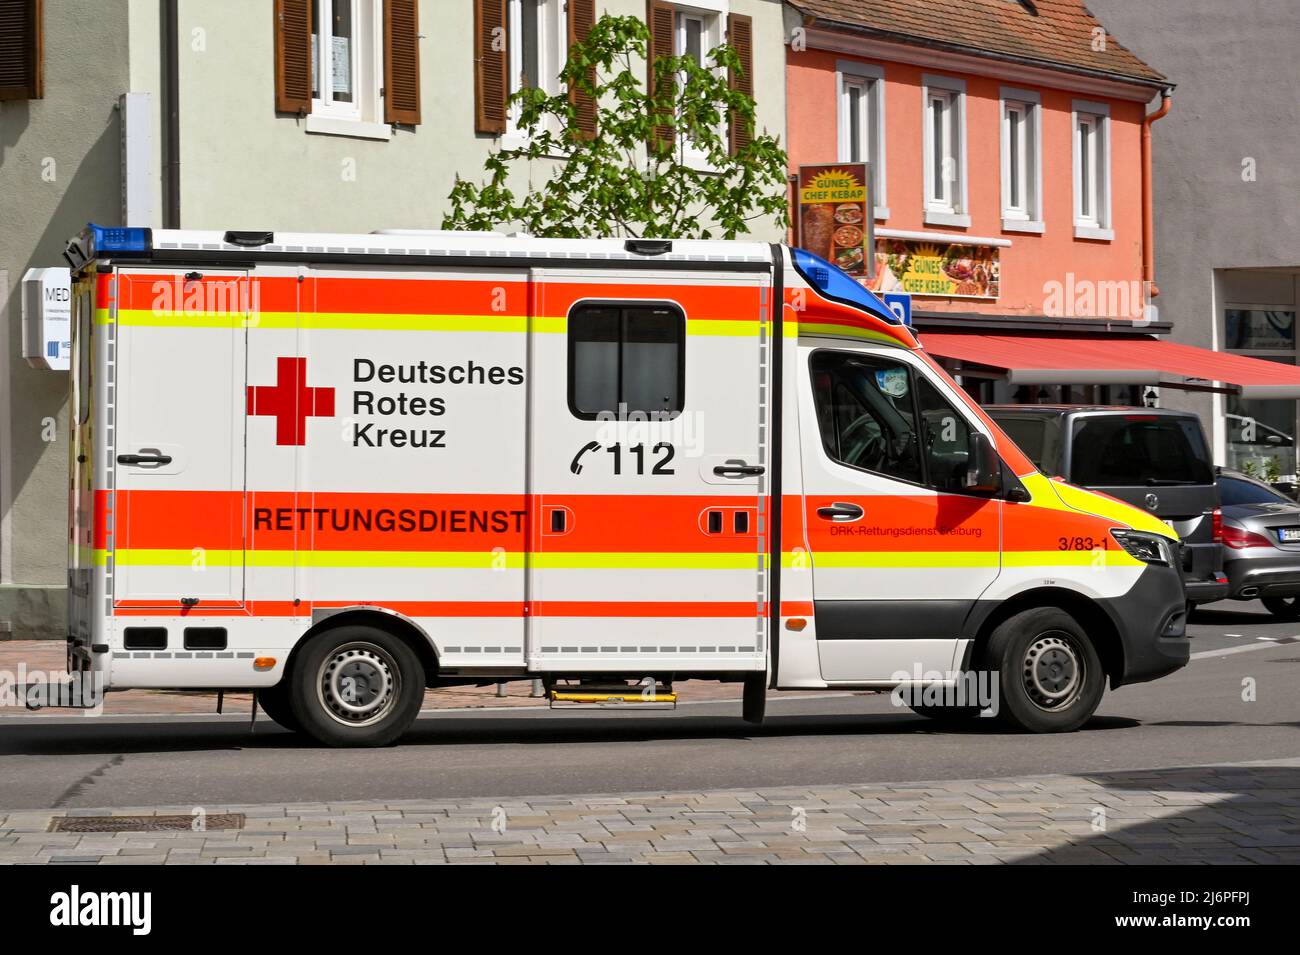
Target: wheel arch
{"x": 1096, "y": 622}
{"x": 390, "y": 621}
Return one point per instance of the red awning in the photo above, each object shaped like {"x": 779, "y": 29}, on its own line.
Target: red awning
{"x": 1076, "y": 360}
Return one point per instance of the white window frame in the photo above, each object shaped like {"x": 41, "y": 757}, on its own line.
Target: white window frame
{"x": 1025, "y": 215}
{"x": 553, "y": 51}
{"x": 949, "y": 207}
{"x": 712, "y": 16}
{"x": 363, "y": 117}
{"x": 1096, "y": 223}
{"x": 870, "y": 80}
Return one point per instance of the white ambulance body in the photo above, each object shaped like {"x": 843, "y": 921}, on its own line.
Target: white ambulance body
{"x": 337, "y": 469}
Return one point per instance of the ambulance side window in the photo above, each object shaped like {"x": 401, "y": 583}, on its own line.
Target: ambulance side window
{"x": 865, "y": 413}
{"x": 945, "y": 438}
{"x": 626, "y": 359}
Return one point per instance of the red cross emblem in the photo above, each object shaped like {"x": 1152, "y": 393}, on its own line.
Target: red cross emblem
{"x": 290, "y": 401}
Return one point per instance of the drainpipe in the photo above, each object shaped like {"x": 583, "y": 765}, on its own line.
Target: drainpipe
{"x": 1148, "y": 219}
{"x": 172, "y": 141}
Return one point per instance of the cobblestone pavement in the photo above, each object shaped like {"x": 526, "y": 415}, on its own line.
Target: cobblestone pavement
{"x": 1246, "y": 813}
{"x": 48, "y": 657}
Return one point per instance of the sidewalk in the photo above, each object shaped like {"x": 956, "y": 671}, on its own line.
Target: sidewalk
{"x": 1242, "y": 814}
{"x": 47, "y": 656}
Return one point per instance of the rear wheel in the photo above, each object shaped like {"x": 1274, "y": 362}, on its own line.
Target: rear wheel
{"x": 356, "y": 686}
{"x": 1050, "y": 676}
{"x": 1284, "y": 608}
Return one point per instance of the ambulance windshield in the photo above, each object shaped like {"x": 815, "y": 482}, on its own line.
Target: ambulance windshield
{"x": 839, "y": 286}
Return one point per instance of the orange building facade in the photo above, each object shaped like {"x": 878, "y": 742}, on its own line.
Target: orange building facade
{"x": 1005, "y": 145}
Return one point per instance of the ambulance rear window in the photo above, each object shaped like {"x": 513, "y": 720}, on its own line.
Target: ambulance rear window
{"x": 626, "y": 359}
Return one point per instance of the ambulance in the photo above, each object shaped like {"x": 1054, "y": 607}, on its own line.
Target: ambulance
{"x": 337, "y": 470}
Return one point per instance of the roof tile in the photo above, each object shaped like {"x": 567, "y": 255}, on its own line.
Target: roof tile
{"x": 1052, "y": 32}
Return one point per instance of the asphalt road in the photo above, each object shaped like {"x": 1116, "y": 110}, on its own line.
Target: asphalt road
{"x": 1194, "y": 717}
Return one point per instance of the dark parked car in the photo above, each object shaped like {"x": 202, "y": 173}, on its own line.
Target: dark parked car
{"x": 1153, "y": 458}
{"x": 1261, "y": 543}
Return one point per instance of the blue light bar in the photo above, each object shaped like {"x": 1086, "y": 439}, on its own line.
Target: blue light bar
{"x": 119, "y": 239}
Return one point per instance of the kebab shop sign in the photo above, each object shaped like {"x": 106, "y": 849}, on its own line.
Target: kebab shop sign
{"x": 833, "y": 214}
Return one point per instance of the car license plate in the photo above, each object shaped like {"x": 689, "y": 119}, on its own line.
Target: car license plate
{"x": 1289, "y": 535}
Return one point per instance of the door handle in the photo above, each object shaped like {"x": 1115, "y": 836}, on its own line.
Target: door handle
{"x": 840, "y": 512}
{"x": 144, "y": 459}
{"x": 738, "y": 469}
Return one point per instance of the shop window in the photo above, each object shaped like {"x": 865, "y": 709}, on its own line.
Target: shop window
{"x": 1260, "y": 434}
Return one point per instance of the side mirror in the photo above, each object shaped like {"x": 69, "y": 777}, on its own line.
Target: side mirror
{"x": 984, "y": 470}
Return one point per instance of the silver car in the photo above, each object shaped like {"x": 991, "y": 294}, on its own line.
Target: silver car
{"x": 1261, "y": 543}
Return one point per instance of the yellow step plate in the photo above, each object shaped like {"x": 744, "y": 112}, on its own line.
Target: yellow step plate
{"x": 632, "y": 696}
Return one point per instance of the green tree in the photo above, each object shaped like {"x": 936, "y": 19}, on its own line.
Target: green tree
{"x": 658, "y": 165}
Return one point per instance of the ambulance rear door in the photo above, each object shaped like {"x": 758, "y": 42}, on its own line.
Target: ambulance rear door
{"x": 649, "y": 465}
{"x": 176, "y": 346}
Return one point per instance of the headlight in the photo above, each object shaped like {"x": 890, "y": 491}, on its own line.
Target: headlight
{"x": 1148, "y": 548}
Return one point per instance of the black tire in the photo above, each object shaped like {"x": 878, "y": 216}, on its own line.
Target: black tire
{"x": 356, "y": 686}
{"x": 754, "y": 699}
{"x": 1284, "y": 608}
{"x": 1050, "y": 678}
{"x": 274, "y": 701}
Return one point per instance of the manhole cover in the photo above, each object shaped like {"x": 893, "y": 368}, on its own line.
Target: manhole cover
{"x": 217, "y": 820}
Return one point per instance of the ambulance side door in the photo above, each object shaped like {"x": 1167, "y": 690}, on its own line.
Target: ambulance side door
{"x": 648, "y": 462}
{"x": 900, "y": 553}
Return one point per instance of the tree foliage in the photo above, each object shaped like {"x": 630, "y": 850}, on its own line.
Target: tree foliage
{"x": 629, "y": 178}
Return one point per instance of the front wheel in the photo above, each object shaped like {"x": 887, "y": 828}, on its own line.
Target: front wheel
{"x": 356, "y": 686}
{"x": 1051, "y": 679}
{"x": 1284, "y": 608}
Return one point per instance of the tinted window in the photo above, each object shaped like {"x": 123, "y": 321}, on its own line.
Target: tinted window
{"x": 1236, "y": 491}
{"x": 945, "y": 438}
{"x": 865, "y": 413}
{"x": 626, "y": 360}
{"x": 1136, "y": 449}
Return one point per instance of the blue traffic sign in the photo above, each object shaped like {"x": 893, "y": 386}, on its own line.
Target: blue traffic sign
{"x": 900, "y": 303}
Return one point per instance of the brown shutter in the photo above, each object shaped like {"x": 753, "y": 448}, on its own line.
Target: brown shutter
{"x": 491, "y": 85}
{"x": 740, "y": 37}
{"x": 293, "y": 56}
{"x": 582, "y": 17}
{"x": 660, "y": 18}
{"x": 401, "y": 62}
{"x": 22, "y": 49}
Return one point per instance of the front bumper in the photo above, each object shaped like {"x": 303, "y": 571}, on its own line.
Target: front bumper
{"x": 1263, "y": 577}
{"x": 1152, "y": 623}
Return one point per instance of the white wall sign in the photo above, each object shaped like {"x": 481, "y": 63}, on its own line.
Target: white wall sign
{"x": 47, "y": 318}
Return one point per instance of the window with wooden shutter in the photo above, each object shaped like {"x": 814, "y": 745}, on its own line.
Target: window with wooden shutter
{"x": 293, "y": 56}
{"x": 491, "y": 56}
{"x": 21, "y": 49}
{"x": 582, "y": 17}
{"x": 661, "y": 20}
{"x": 740, "y": 37}
{"x": 401, "y": 62}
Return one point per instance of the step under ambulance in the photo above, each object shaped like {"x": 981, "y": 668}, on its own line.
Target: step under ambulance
{"x": 340, "y": 469}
